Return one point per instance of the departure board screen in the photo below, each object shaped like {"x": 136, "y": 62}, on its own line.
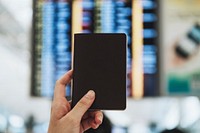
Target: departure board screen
{"x": 55, "y": 22}
{"x": 150, "y": 48}
{"x": 51, "y": 45}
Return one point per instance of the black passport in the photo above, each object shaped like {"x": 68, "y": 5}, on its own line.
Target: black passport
{"x": 99, "y": 64}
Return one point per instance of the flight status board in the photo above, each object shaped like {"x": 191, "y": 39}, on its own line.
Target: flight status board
{"x": 55, "y": 22}
{"x": 51, "y": 45}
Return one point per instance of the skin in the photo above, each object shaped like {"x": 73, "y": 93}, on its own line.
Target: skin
{"x": 77, "y": 120}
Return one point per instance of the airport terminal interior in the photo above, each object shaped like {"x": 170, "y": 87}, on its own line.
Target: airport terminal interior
{"x": 163, "y": 67}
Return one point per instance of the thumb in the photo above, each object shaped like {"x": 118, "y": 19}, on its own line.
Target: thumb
{"x": 83, "y": 105}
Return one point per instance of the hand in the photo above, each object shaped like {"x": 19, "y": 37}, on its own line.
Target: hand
{"x": 77, "y": 120}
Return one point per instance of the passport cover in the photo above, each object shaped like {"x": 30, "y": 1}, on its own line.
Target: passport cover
{"x": 99, "y": 64}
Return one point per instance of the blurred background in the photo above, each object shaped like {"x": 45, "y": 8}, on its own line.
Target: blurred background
{"x": 163, "y": 53}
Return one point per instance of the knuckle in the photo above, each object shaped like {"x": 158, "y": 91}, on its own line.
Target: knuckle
{"x": 72, "y": 119}
{"x": 58, "y": 106}
{"x": 84, "y": 102}
{"x": 58, "y": 109}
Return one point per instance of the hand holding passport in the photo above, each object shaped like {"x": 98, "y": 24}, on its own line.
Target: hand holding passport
{"x": 99, "y": 64}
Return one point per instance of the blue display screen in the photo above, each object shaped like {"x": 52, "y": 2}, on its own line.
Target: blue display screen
{"x": 52, "y": 38}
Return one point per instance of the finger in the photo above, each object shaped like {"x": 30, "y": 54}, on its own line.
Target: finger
{"x": 98, "y": 118}
{"x": 83, "y": 105}
{"x": 86, "y": 115}
{"x": 60, "y": 109}
{"x": 91, "y": 122}
{"x": 65, "y": 79}
{"x": 91, "y": 114}
{"x": 87, "y": 124}
{"x": 61, "y": 84}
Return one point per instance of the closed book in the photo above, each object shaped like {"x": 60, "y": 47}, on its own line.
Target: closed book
{"x": 99, "y": 64}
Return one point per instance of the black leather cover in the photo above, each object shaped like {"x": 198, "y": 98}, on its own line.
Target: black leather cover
{"x": 99, "y": 63}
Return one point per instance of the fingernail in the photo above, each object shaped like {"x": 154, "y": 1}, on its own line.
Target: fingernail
{"x": 90, "y": 94}
{"x": 100, "y": 117}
